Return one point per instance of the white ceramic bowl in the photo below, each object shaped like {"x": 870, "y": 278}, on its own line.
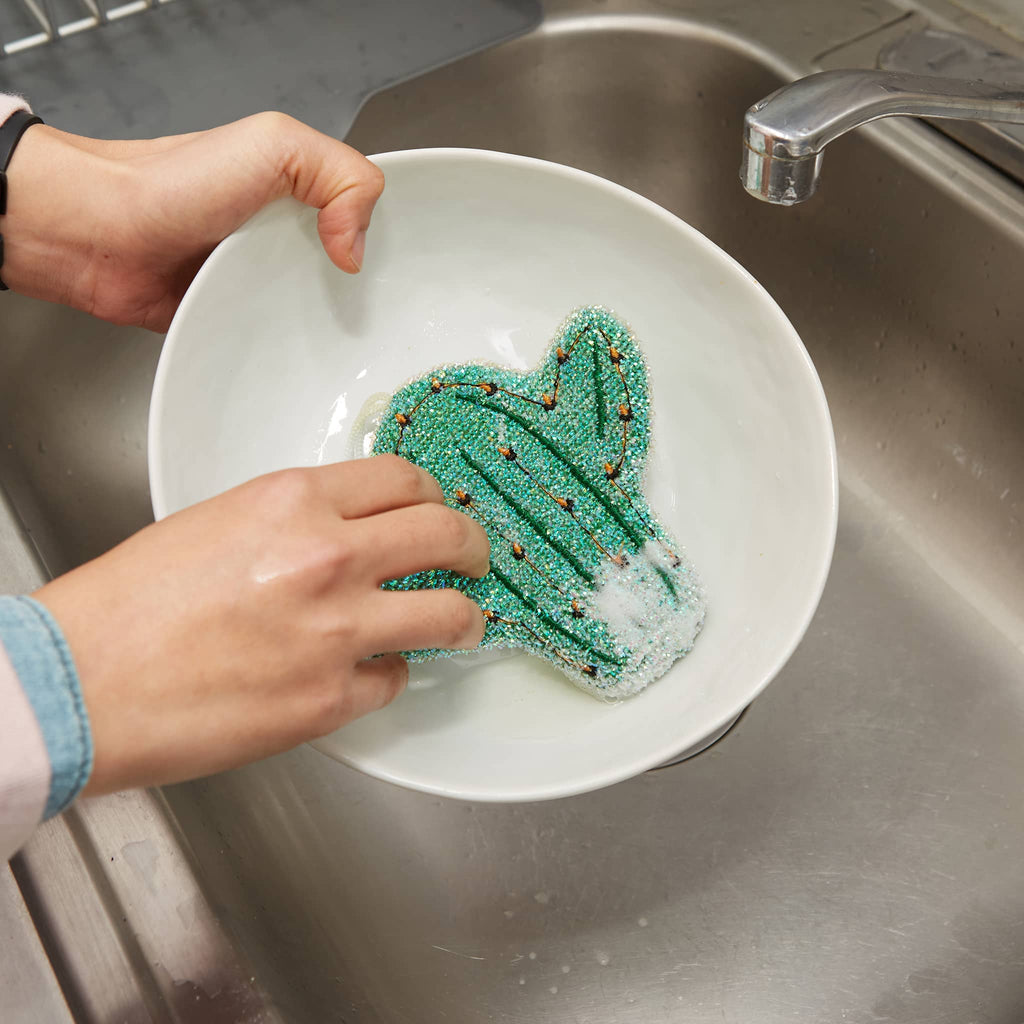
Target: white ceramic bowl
{"x": 478, "y": 255}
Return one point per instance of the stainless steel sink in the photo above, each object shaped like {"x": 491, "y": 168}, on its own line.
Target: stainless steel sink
{"x": 849, "y": 852}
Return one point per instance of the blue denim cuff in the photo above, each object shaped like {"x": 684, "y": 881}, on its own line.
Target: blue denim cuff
{"x": 41, "y": 658}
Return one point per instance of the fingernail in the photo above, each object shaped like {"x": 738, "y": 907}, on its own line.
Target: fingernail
{"x": 358, "y": 249}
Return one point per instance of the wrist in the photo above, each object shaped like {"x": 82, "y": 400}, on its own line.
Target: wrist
{"x": 51, "y": 229}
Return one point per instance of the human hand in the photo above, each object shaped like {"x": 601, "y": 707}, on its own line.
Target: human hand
{"x": 241, "y": 626}
{"x": 119, "y": 229}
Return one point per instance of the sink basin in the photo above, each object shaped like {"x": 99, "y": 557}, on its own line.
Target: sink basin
{"x": 849, "y": 851}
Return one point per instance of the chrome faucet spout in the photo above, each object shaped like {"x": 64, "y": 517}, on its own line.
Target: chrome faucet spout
{"x": 785, "y": 133}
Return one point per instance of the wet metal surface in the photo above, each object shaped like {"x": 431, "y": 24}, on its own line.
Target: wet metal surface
{"x": 850, "y": 851}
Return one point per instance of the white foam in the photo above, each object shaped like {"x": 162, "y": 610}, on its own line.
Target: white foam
{"x": 650, "y": 627}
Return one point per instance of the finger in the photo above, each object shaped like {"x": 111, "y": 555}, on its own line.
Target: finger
{"x": 345, "y": 219}
{"x": 374, "y": 684}
{"x": 370, "y": 685}
{"x": 411, "y": 620}
{"x": 366, "y": 487}
{"x": 341, "y": 183}
{"x": 418, "y": 537}
{"x": 238, "y": 168}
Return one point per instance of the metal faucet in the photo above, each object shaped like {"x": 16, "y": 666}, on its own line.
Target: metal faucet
{"x": 785, "y": 134}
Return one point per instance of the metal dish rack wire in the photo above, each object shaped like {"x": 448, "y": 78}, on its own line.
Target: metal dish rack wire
{"x": 26, "y": 24}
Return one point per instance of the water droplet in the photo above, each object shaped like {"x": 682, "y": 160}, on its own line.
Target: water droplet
{"x": 533, "y": 956}
{"x": 642, "y": 921}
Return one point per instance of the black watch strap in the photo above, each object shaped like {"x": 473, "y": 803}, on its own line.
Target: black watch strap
{"x": 11, "y": 132}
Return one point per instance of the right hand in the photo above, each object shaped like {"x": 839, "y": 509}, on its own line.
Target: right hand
{"x": 241, "y": 626}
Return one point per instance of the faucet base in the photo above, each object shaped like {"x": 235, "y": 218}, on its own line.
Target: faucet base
{"x": 1002, "y": 145}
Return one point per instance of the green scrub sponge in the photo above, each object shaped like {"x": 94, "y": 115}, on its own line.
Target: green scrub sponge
{"x": 551, "y": 464}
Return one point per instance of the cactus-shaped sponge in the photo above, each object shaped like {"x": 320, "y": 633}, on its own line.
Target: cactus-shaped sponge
{"x": 551, "y": 464}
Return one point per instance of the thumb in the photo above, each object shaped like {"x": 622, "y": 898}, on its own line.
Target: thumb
{"x": 341, "y": 183}
{"x": 240, "y": 167}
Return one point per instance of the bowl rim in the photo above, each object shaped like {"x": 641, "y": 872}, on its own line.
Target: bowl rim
{"x": 799, "y": 624}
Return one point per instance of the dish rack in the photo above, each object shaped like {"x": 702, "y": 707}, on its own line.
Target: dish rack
{"x": 26, "y": 24}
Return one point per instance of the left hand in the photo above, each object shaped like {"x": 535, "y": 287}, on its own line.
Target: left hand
{"x": 119, "y": 229}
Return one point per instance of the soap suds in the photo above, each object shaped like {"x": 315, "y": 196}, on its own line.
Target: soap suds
{"x": 650, "y": 628}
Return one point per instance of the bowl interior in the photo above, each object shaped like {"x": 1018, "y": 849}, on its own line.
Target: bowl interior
{"x": 480, "y": 256}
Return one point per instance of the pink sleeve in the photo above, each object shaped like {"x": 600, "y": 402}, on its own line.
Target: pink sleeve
{"x": 9, "y": 103}
{"x": 24, "y": 764}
